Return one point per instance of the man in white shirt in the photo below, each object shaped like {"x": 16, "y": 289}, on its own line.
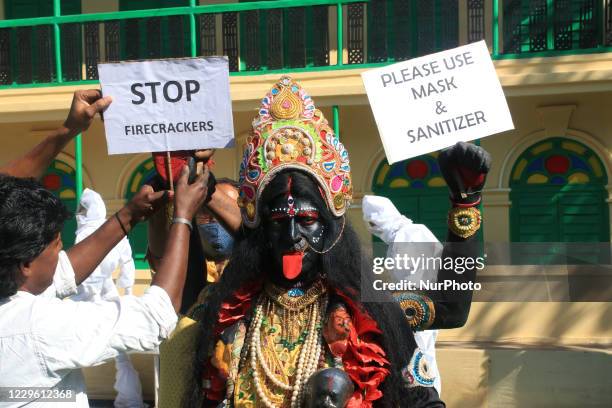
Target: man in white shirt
{"x": 44, "y": 341}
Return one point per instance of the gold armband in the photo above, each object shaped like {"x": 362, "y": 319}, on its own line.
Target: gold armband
{"x": 464, "y": 222}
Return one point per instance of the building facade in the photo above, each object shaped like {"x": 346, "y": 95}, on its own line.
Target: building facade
{"x": 550, "y": 182}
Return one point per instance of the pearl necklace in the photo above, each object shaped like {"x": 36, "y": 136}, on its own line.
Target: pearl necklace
{"x": 307, "y": 361}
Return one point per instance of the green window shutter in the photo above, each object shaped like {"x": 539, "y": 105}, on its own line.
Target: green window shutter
{"x": 583, "y": 217}
{"x": 558, "y": 194}
{"x": 417, "y": 190}
{"x": 125, "y": 5}
{"x": 535, "y": 217}
{"x": 33, "y": 46}
{"x": 155, "y": 37}
{"x": 23, "y": 9}
{"x": 38, "y": 8}
{"x": 69, "y": 7}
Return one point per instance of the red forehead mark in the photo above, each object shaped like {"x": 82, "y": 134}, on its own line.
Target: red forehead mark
{"x": 289, "y": 183}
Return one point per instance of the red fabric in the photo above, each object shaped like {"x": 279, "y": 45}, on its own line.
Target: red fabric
{"x": 468, "y": 205}
{"x": 178, "y": 159}
{"x": 235, "y": 308}
{"x": 364, "y": 359}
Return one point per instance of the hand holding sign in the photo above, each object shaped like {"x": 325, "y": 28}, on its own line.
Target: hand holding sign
{"x": 190, "y": 196}
{"x": 432, "y": 102}
{"x": 167, "y": 105}
{"x": 85, "y": 105}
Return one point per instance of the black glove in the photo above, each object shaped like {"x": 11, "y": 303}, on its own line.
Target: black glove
{"x": 464, "y": 166}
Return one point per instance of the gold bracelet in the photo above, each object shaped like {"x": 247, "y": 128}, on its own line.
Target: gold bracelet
{"x": 464, "y": 222}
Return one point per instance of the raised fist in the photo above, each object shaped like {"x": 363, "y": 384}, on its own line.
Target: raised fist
{"x": 464, "y": 166}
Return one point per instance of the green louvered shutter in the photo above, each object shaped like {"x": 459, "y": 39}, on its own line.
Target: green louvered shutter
{"x": 558, "y": 195}
{"x": 417, "y": 190}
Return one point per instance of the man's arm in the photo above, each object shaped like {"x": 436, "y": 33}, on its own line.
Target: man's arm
{"x": 464, "y": 167}
{"x": 222, "y": 206}
{"x": 85, "y": 105}
{"x": 172, "y": 270}
{"x": 88, "y": 254}
{"x": 225, "y": 209}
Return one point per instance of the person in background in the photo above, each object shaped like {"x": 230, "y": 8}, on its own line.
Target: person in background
{"x": 388, "y": 224}
{"x": 216, "y": 241}
{"x": 91, "y": 214}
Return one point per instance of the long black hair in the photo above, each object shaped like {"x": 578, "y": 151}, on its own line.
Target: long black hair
{"x": 344, "y": 267}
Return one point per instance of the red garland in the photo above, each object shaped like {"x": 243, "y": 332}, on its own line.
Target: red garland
{"x": 364, "y": 360}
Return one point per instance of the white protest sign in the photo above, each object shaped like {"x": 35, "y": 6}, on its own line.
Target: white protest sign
{"x": 432, "y": 102}
{"x": 167, "y": 105}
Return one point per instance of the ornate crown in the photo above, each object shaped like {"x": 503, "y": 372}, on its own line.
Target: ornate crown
{"x": 290, "y": 133}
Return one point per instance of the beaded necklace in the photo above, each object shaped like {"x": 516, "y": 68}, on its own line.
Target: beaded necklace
{"x": 292, "y": 309}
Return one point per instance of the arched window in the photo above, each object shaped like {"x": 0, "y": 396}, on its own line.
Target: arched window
{"x": 138, "y": 236}
{"x": 60, "y": 180}
{"x": 417, "y": 189}
{"x": 558, "y": 194}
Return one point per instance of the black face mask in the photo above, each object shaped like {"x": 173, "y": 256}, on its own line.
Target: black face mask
{"x": 295, "y": 232}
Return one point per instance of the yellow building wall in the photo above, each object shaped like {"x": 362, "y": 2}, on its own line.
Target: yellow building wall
{"x": 583, "y": 117}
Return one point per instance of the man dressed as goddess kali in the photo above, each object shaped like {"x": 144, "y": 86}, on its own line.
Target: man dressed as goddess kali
{"x": 286, "y": 325}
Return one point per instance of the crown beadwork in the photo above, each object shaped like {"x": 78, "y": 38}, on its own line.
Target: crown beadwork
{"x": 290, "y": 133}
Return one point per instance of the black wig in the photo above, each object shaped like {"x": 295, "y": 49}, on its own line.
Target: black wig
{"x": 342, "y": 267}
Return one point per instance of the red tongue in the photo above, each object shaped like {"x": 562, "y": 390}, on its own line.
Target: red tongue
{"x": 292, "y": 265}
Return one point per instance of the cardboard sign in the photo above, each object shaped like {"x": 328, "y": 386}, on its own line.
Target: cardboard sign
{"x": 432, "y": 102}
{"x": 167, "y": 105}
